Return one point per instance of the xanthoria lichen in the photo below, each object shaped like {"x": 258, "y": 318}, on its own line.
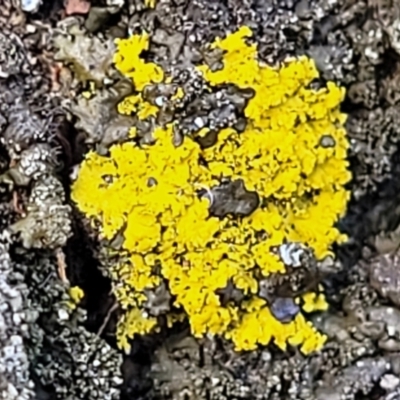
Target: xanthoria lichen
{"x": 150, "y": 193}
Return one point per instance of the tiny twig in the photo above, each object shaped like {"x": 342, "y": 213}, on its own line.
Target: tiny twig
{"x": 44, "y": 283}
{"x": 61, "y": 265}
{"x": 107, "y": 318}
{"x": 15, "y": 202}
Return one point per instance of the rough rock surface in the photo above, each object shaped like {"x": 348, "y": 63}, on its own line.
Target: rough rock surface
{"x": 15, "y": 380}
{"x": 45, "y": 350}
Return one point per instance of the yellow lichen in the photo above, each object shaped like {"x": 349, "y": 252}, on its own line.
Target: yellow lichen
{"x": 150, "y": 3}
{"x": 135, "y": 104}
{"x": 134, "y": 322}
{"x": 314, "y": 302}
{"x": 75, "y": 296}
{"x": 128, "y": 61}
{"x": 149, "y": 194}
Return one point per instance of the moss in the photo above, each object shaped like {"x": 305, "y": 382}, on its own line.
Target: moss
{"x": 150, "y": 193}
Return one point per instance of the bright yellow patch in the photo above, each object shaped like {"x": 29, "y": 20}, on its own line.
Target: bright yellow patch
{"x": 75, "y": 296}
{"x": 150, "y": 3}
{"x": 131, "y": 324}
{"x": 149, "y": 193}
{"x": 314, "y": 302}
{"x": 128, "y": 61}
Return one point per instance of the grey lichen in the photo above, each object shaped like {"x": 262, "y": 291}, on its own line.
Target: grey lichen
{"x": 384, "y": 275}
{"x": 15, "y": 382}
{"x": 90, "y": 57}
{"x": 31, "y": 164}
{"x": 47, "y": 223}
{"x": 97, "y": 116}
{"x": 358, "y": 378}
{"x": 45, "y": 349}
{"x": 23, "y": 128}
{"x": 75, "y": 363}
{"x": 13, "y": 58}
